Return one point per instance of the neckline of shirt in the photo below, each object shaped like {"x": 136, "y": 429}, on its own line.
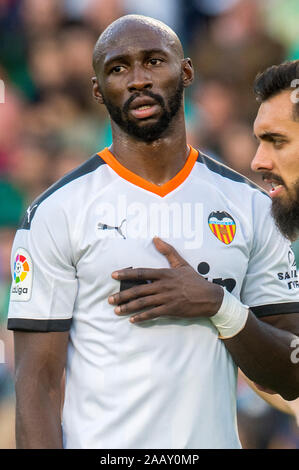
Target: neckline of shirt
{"x": 137, "y": 180}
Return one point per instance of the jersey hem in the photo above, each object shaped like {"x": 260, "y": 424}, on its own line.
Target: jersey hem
{"x": 275, "y": 309}
{"x": 42, "y": 326}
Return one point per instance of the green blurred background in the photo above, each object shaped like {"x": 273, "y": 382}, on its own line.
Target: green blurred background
{"x": 49, "y": 122}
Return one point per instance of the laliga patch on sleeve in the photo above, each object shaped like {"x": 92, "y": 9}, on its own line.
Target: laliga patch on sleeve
{"x": 22, "y": 277}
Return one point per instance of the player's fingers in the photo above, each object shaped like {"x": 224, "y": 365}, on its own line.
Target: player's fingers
{"x": 133, "y": 293}
{"x": 149, "y": 315}
{"x": 174, "y": 259}
{"x": 138, "y": 274}
{"x": 139, "y": 304}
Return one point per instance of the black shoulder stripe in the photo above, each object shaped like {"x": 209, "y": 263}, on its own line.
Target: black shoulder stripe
{"x": 275, "y": 309}
{"x": 227, "y": 172}
{"x": 87, "y": 167}
{"x": 41, "y": 326}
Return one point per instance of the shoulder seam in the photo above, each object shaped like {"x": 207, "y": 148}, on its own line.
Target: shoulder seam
{"x": 227, "y": 172}
{"x": 85, "y": 168}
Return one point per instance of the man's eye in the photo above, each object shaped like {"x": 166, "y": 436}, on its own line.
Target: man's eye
{"x": 117, "y": 69}
{"x": 278, "y": 143}
{"x": 155, "y": 61}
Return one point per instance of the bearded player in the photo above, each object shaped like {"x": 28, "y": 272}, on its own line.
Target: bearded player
{"x": 211, "y": 297}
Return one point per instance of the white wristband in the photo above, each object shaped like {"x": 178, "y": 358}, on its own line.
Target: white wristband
{"x": 231, "y": 317}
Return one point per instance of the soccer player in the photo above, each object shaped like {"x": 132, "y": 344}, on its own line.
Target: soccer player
{"x": 90, "y": 265}
{"x": 277, "y": 129}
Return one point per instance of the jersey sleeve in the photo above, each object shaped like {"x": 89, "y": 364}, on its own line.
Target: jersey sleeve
{"x": 271, "y": 285}
{"x": 44, "y": 284}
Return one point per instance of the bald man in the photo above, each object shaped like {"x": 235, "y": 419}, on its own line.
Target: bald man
{"x": 150, "y": 333}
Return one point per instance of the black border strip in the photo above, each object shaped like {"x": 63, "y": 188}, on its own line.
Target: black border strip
{"x": 42, "y": 326}
{"x": 275, "y": 309}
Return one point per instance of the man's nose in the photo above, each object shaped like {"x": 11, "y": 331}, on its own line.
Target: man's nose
{"x": 262, "y": 159}
{"x": 139, "y": 79}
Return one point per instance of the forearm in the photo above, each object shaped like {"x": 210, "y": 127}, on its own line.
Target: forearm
{"x": 263, "y": 353}
{"x": 274, "y": 400}
{"x": 38, "y": 421}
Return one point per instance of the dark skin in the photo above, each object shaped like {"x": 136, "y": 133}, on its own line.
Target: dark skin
{"x": 261, "y": 349}
{"x": 145, "y": 62}
{"x": 39, "y": 364}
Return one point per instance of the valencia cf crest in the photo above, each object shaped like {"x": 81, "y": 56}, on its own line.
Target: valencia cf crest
{"x": 223, "y": 226}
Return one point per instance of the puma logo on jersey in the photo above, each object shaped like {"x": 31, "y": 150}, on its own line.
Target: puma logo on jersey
{"x": 110, "y": 227}
{"x": 29, "y": 210}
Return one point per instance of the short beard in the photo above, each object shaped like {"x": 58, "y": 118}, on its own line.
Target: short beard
{"x": 286, "y": 215}
{"x": 151, "y": 132}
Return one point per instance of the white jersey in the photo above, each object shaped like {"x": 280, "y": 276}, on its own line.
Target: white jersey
{"x": 169, "y": 382}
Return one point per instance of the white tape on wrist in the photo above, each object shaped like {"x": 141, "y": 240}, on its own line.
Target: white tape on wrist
{"x": 231, "y": 317}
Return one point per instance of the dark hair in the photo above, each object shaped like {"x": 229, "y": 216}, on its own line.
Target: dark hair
{"x": 276, "y": 79}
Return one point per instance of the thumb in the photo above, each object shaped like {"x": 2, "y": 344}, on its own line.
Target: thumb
{"x": 174, "y": 259}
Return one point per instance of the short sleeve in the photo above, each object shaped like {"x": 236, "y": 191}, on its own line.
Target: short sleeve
{"x": 44, "y": 284}
{"x": 271, "y": 284}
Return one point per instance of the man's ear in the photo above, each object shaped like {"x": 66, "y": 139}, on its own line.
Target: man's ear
{"x": 96, "y": 91}
{"x": 188, "y": 71}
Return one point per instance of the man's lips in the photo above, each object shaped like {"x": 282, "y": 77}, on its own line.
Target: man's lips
{"x": 276, "y": 186}
{"x": 145, "y": 111}
{"x": 144, "y": 107}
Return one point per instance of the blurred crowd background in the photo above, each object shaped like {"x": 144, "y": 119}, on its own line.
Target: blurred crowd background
{"x": 49, "y": 122}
